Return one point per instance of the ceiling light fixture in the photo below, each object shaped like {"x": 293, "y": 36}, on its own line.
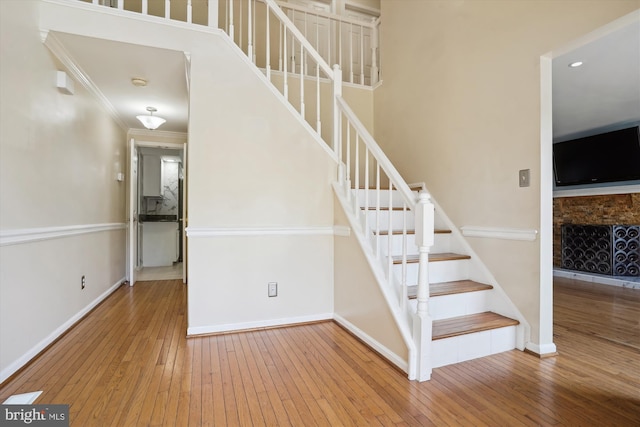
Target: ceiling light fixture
{"x": 575, "y": 64}
{"x": 151, "y": 122}
{"x": 138, "y": 81}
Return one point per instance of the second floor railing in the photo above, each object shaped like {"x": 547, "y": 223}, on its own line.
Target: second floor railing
{"x": 201, "y": 12}
{"x": 351, "y": 43}
{"x": 348, "y": 42}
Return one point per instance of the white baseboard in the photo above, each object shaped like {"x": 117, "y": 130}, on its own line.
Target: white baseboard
{"x": 542, "y": 349}
{"x": 230, "y": 327}
{"x": 381, "y": 349}
{"x": 625, "y": 282}
{"x": 19, "y": 363}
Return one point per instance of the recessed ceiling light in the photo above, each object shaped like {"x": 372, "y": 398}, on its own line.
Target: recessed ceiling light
{"x": 575, "y": 64}
{"x": 139, "y": 82}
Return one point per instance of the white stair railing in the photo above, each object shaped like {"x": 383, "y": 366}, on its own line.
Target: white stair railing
{"x": 273, "y": 43}
{"x": 369, "y": 181}
{"x": 182, "y": 10}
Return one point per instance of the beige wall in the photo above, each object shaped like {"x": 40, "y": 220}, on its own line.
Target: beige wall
{"x": 459, "y": 108}
{"x": 358, "y": 298}
{"x": 59, "y": 156}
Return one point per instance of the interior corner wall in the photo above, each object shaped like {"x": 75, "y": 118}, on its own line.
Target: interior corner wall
{"x": 357, "y": 296}
{"x": 260, "y": 202}
{"x": 459, "y": 108}
{"x": 62, "y": 211}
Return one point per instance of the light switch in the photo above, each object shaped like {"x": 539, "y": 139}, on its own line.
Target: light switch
{"x": 524, "y": 178}
{"x": 273, "y": 289}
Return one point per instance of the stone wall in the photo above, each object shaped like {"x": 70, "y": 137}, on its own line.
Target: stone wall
{"x": 605, "y": 210}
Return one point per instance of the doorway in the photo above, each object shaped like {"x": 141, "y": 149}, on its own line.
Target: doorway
{"x": 157, "y": 211}
{"x": 547, "y": 190}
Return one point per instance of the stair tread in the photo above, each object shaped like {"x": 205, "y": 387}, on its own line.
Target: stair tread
{"x": 450, "y": 288}
{"x": 444, "y": 256}
{"x": 471, "y": 323}
{"x": 397, "y": 232}
{"x": 385, "y": 208}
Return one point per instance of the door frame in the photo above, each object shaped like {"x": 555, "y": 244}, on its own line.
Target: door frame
{"x": 134, "y": 187}
{"x": 132, "y": 213}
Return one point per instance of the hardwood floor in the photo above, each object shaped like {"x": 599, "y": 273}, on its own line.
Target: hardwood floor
{"x": 129, "y": 364}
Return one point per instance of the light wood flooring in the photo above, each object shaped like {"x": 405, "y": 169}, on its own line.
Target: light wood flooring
{"x": 129, "y": 364}
{"x": 160, "y": 273}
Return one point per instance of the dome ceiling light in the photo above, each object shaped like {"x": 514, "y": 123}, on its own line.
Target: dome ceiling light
{"x": 150, "y": 121}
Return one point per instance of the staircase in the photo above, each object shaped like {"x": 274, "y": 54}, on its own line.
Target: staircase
{"x": 464, "y": 327}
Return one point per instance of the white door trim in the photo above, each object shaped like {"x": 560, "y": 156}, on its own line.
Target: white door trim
{"x": 545, "y": 341}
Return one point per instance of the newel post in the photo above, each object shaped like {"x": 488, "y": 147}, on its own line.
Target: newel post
{"x": 337, "y": 121}
{"x": 422, "y": 323}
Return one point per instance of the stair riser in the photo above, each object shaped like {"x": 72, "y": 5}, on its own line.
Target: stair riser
{"x": 445, "y": 306}
{"x": 441, "y": 244}
{"x": 457, "y": 349}
{"x": 442, "y": 271}
{"x": 383, "y": 220}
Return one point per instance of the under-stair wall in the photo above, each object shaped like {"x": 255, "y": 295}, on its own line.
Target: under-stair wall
{"x": 359, "y": 304}
{"x": 260, "y": 202}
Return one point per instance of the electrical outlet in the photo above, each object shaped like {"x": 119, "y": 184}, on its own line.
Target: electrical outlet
{"x": 524, "y": 178}
{"x": 84, "y": 282}
{"x": 273, "y": 289}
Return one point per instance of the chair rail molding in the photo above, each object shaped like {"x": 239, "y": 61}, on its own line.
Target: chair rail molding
{"x": 29, "y": 235}
{"x": 499, "y": 233}
{"x": 267, "y": 231}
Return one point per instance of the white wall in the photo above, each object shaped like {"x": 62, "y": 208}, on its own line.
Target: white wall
{"x": 59, "y": 156}
{"x": 253, "y": 171}
{"x": 459, "y": 108}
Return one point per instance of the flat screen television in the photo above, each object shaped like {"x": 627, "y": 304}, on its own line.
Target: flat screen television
{"x": 606, "y": 157}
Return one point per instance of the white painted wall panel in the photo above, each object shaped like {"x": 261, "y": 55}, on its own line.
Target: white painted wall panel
{"x": 60, "y": 155}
